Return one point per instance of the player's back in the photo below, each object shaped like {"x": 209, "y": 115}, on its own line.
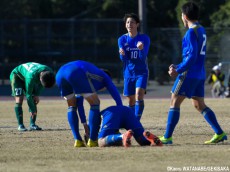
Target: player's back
{"x": 83, "y": 76}
{"x": 30, "y": 70}
{"x": 79, "y": 65}
{"x": 123, "y": 114}
{"x": 197, "y": 70}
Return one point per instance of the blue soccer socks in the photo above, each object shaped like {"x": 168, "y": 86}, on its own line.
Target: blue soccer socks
{"x": 210, "y": 117}
{"x": 73, "y": 122}
{"x": 139, "y": 107}
{"x": 173, "y": 118}
{"x": 113, "y": 140}
{"x": 94, "y": 121}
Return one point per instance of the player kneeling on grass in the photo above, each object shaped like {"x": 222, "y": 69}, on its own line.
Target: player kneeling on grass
{"x": 117, "y": 117}
{"x": 29, "y": 79}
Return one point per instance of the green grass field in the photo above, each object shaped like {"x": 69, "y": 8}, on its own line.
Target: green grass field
{"x": 51, "y": 150}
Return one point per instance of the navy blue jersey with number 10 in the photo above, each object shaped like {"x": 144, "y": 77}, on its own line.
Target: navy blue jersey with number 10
{"x": 134, "y": 61}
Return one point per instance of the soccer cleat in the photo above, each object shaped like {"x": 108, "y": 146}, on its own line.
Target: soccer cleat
{"x": 92, "y": 143}
{"x": 166, "y": 140}
{"x": 22, "y": 128}
{"x": 79, "y": 143}
{"x": 34, "y": 127}
{"x": 217, "y": 138}
{"x": 126, "y": 140}
{"x": 154, "y": 140}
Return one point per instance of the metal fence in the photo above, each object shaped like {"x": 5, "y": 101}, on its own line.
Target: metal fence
{"x": 57, "y": 41}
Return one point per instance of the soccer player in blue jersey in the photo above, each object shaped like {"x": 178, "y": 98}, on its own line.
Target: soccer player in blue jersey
{"x": 190, "y": 76}
{"x": 80, "y": 77}
{"x": 133, "y": 49}
{"x": 116, "y": 117}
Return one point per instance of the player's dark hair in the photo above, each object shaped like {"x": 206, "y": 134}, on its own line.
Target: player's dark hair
{"x": 107, "y": 72}
{"x": 47, "y": 79}
{"x": 191, "y": 10}
{"x": 133, "y": 16}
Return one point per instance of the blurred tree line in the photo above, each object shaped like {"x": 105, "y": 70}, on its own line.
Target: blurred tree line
{"x": 164, "y": 14}
{"x": 160, "y": 13}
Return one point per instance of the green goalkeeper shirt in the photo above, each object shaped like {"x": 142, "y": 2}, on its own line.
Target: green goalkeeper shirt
{"x": 30, "y": 74}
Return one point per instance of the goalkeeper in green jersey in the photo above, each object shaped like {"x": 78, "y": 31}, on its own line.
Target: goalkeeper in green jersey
{"x": 29, "y": 79}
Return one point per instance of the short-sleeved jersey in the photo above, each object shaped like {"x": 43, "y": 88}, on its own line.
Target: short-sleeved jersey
{"x": 193, "y": 53}
{"x": 83, "y": 77}
{"x": 134, "y": 61}
{"x": 30, "y": 74}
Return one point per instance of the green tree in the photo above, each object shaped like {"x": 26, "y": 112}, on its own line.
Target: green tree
{"x": 207, "y": 8}
{"x": 25, "y": 9}
{"x": 221, "y": 18}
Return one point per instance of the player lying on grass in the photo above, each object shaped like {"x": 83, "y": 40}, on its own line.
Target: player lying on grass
{"x": 117, "y": 117}
{"x": 29, "y": 79}
{"x": 80, "y": 77}
{"x": 190, "y": 76}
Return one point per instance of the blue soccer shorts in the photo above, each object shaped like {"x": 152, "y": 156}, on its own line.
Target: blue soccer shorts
{"x": 65, "y": 87}
{"x": 130, "y": 84}
{"x": 188, "y": 87}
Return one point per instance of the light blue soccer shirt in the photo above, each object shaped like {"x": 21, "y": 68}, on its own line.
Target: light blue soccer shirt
{"x": 193, "y": 52}
{"x": 134, "y": 61}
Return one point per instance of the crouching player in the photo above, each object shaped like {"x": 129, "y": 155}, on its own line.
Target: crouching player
{"x": 84, "y": 78}
{"x": 117, "y": 117}
{"x": 29, "y": 79}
